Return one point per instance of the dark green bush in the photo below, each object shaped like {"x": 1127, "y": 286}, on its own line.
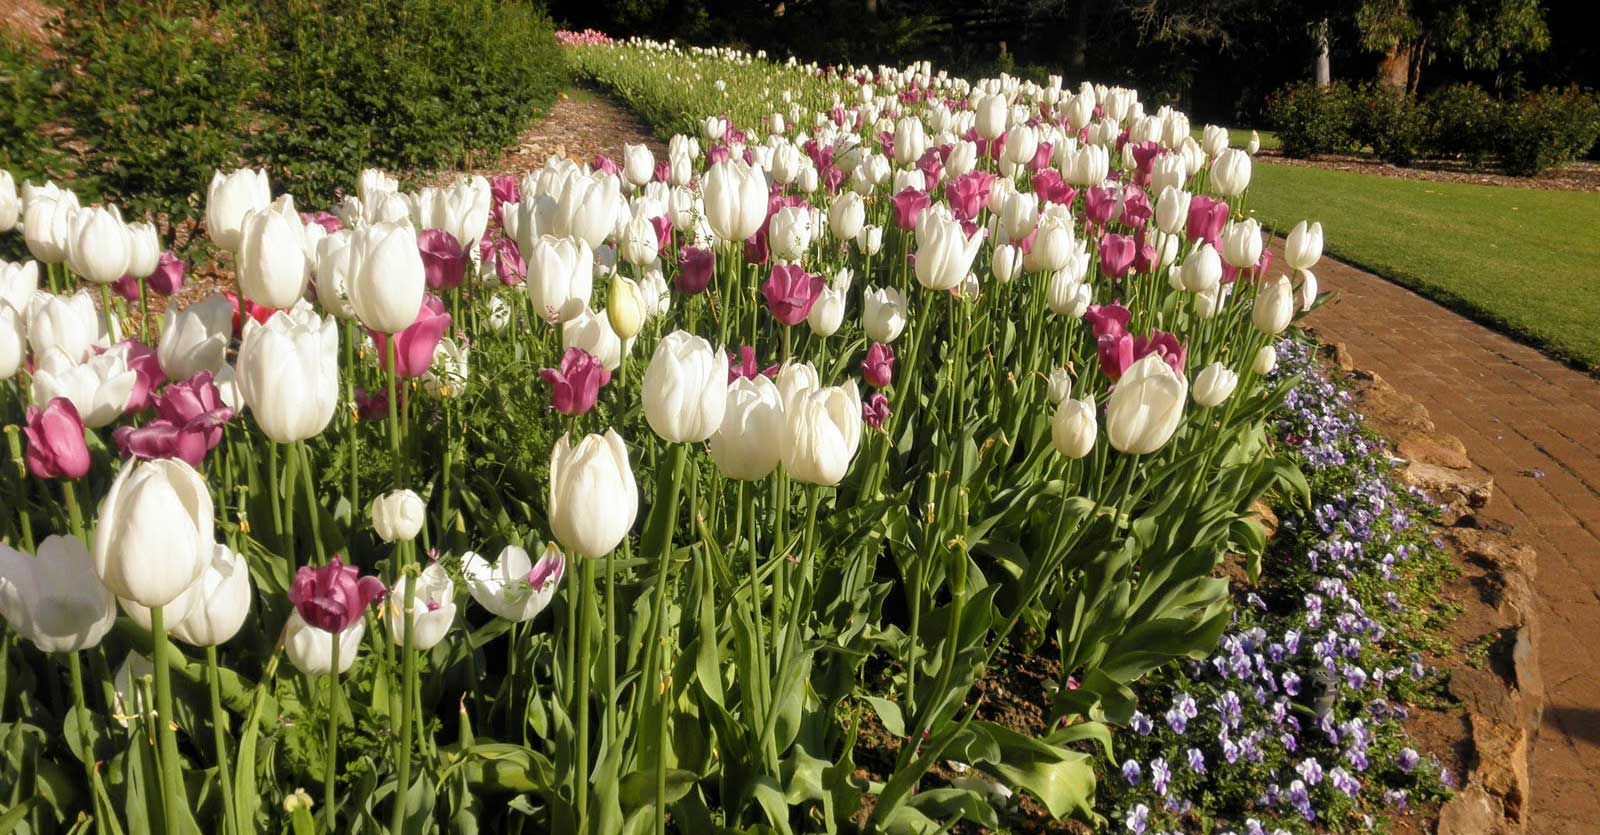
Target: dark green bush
{"x": 1312, "y": 120}
{"x": 1548, "y": 129}
{"x": 156, "y": 96}
{"x": 1465, "y": 122}
{"x": 1391, "y": 121}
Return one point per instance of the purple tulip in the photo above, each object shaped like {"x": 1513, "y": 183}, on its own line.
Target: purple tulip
{"x": 332, "y": 598}
{"x": 717, "y": 153}
{"x": 142, "y": 359}
{"x": 791, "y": 292}
{"x": 414, "y": 346}
{"x": 1100, "y": 206}
{"x": 443, "y": 259}
{"x": 695, "y": 267}
{"x": 575, "y": 386}
{"x": 1164, "y": 344}
{"x": 1116, "y": 354}
{"x": 1144, "y": 159}
{"x": 56, "y": 447}
{"x": 879, "y": 366}
{"x": 875, "y": 410}
{"x": 167, "y": 280}
{"x": 663, "y": 227}
{"x": 371, "y": 405}
{"x": 1041, "y": 157}
{"x": 126, "y": 287}
{"x": 502, "y": 190}
{"x": 932, "y": 166}
{"x": 967, "y": 194}
{"x": 1052, "y": 189}
{"x": 1136, "y": 208}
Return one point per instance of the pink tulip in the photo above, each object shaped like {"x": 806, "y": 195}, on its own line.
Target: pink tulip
{"x": 1144, "y": 159}
{"x": 1108, "y": 319}
{"x": 167, "y": 280}
{"x": 875, "y": 410}
{"x": 663, "y": 227}
{"x": 328, "y": 221}
{"x": 147, "y": 366}
{"x": 575, "y": 386}
{"x": 909, "y": 205}
{"x": 1116, "y": 255}
{"x": 332, "y": 598}
{"x": 967, "y": 194}
{"x": 1206, "y": 219}
{"x": 189, "y": 424}
{"x": 663, "y": 172}
{"x": 1116, "y": 354}
{"x": 717, "y": 153}
{"x": 755, "y": 249}
{"x": 371, "y": 405}
{"x": 56, "y": 446}
{"x": 502, "y": 190}
{"x": 1163, "y": 344}
{"x": 508, "y": 263}
{"x": 414, "y": 346}
{"x": 127, "y": 287}
{"x": 1100, "y": 206}
{"x": 1136, "y": 208}
{"x": 745, "y": 366}
{"x": 1052, "y": 189}
{"x": 878, "y": 369}
{"x": 791, "y": 293}
{"x": 606, "y": 164}
{"x": 1041, "y": 157}
{"x": 695, "y": 268}
{"x": 932, "y": 166}
{"x": 443, "y": 259}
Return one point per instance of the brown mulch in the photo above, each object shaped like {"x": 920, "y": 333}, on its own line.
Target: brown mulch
{"x": 1577, "y": 176}
{"x": 27, "y": 20}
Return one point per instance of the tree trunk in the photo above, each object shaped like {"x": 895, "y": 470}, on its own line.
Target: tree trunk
{"x": 1394, "y": 69}
{"x": 1078, "y": 40}
{"x": 1323, "y": 72}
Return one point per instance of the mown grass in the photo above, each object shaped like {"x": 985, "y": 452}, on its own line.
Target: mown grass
{"x": 1521, "y": 260}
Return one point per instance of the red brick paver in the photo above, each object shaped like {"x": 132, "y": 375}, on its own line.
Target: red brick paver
{"x": 1534, "y": 424}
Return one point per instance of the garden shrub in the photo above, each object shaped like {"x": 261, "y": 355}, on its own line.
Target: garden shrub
{"x": 1464, "y": 122}
{"x": 1548, "y": 129}
{"x": 315, "y": 90}
{"x": 1312, "y": 120}
{"x": 1391, "y": 121}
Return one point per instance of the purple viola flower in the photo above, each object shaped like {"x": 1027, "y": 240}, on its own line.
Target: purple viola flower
{"x": 1131, "y": 772}
{"x": 1140, "y": 723}
{"x": 1197, "y": 760}
{"x": 1408, "y": 760}
{"x": 1138, "y": 818}
{"x": 1160, "y": 775}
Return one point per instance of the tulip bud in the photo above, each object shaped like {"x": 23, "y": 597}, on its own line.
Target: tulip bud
{"x": 56, "y": 445}
{"x": 47, "y": 224}
{"x": 638, "y": 164}
{"x": 398, "y": 516}
{"x": 685, "y": 388}
{"x": 1274, "y": 307}
{"x": 1307, "y": 289}
{"x": 1266, "y": 360}
{"x": 593, "y": 499}
{"x": 1005, "y": 263}
{"x": 638, "y": 244}
{"x": 514, "y": 587}
{"x": 847, "y": 215}
{"x": 1172, "y": 210}
{"x": 1074, "y": 427}
{"x": 625, "y": 307}
{"x": 432, "y": 608}
{"x": 1254, "y": 144}
{"x": 870, "y": 239}
{"x": 154, "y": 537}
{"x": 1146, "y": 406}
{"x": 1060, "y": 385}
{"x": 229, "y": 199}
{"x": 827, "y": 314}
{"x": 1241, "y": 244}
{"x": 735, "y": 196}
{"x": 1230, "y": 173}
{"x": 1202, "y": 270}
{"x": 822, "y": 433}
{"x": 748, "y": 444}
{"x": 98, "y": 245}
{"x": 1213, "y": 385}
{"x": 992, "y": 113}
{"x": 386, "y": 279}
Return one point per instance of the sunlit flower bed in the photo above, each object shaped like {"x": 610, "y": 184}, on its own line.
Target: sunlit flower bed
{"x": 622, "y": 497}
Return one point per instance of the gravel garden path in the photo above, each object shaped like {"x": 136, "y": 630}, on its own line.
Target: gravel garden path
{"x": 1534, "y": 425}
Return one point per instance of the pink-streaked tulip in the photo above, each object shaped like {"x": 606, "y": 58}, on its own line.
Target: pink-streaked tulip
{"x": 432, "y": 608}
{"x": 878, "y": 369}
{"x": 444, "y": 262}
{"x": 56, "y": 445}
{"x": 875, "y": 410}
{"x": 575, "y": 386}
{"x": 514, "y": 587}
{"x": 790, "y": 293}
{"x": 415, "y": 345}
{"x": 333, "y": 597}
{"x": 696, "y": 266}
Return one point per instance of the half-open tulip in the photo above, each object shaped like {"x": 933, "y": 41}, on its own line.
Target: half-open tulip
{"x": 1213, "y": 385}
{"x": 398, "y": 516}
{"x": 1146, "y": 406}
{"x": 54, "y": 599}
{"x": 685, "y": 388}
{"x": 288, "y": 373}
{"x": 385, "y": 278}
{"x": 1303, "y": 248}
{"x": 196, "y": 338}
{"x": 154, "y": 536}
{"x": 514, "y": 587}
{"x": 1073, "y": 428}
{"x": 56, "y": 445}
{"x": 822, "y": 431}
{"x": 99, "y": 248}
{"x": 432, "y": 607}
{"x": 748, "y": 444}
{"x": 575, "y": 386}
{"x": 229, "y": 198}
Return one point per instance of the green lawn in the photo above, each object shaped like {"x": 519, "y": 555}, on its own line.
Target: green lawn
{"x": 1524, "y": 261}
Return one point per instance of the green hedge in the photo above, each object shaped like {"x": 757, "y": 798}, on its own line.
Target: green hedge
{"x": 1526, "y": 136}
{"x": 158, "y": 95}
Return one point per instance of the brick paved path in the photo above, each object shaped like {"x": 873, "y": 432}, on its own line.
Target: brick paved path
{"x": 1534, "y": 424}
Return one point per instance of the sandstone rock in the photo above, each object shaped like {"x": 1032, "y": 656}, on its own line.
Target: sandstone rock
{"x": 1474, "y": 489}
{"x": 1438, "y": 449}
{"x": 1386, "y": 409}
{"x": 1265, "y": 517}
{"x": 1502, "y": 767}
{"x": 1484, "y": 694}
{"x": 1473, "y": 811}
{"x": 1337, "y": 354}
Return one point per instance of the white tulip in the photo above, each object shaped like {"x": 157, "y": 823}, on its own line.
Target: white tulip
{"x": 384, "y": 277}
{"x": 789, "y": 233}
{"x": 822, "y": 432}
{"x": 1067, "y": 295}
{"x": 944, "y": 251}
{"x": 47, "y": 224}
{"x": 10, "y": 204}
{"x": 1274, "y": 307}
{"x": 748, "y": 445}
{"x": 1213, "y": 385}
{"x": 272, "y": 264}
{"x": 1059, "y": 387}
{"x": 1230, "y": 174}
{"x": 1005, "y": 263}
{"x": 18, "y": 283}
{"x": 884, "y": 314}
{"x": 13, "y": 343}
{"x": 1241, "y": 244}
{"x": 288, "y": 373}
{"x": 1074, "y": 428}
{"x": 219, "y": 601}
{"x": 638, "y": 164}
{"x": 1146, "y": 406}
{"x": 1202, "y": 270}
{"x": 1303, "y": 248}
{"x": 99, "y": 388}
{"x": 153, "y": 537}
{"x": 593, "y": 498}
{"x": 638, "y": 244}
{"x": 98, "y": 246}
{"x": 144, "y": 250}
{"x": 398, "y": 516}
{"x": 735, "y": 197}
{"x": 310, "y": 649}
{"x": 685, "y": 388}
{"x": 560, "y": 277}
{"x": 587, "y": 209}
{"x": 54, "y": 599}
{"x": 196, "y": 339}
{"x": 229, "y": 199}
{"x": 514, "y": 587}
{"x": 1266, "y": 360}
{"x": 1307, "y": 288}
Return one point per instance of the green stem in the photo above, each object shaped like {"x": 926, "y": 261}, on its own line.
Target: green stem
{"x": 408, "y": 677}
{"x": 219, "y": 736}
{"x": 101, "y": 813}
{"x": 581, "y": 770}
{"x": 331, "y": 766}
{"x": 272, "y": 486}
{"x": 611, "y": 647}
{"x": 74, "y": 514}
{"x": 171, "y": 766}
{"x": 657, "y": 547}
{"x": 355, "y": 415}
{"x": 311, "y": 502}
{"x": 394, "y": 412}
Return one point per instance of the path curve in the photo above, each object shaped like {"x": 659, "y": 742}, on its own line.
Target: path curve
{"x": 1534, "y": 425}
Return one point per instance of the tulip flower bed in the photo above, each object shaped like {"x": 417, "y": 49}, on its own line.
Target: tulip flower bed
{"x": 624, "y": 497}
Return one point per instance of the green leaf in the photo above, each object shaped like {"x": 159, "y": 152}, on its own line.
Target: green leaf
{"x": 889, "y": 714}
